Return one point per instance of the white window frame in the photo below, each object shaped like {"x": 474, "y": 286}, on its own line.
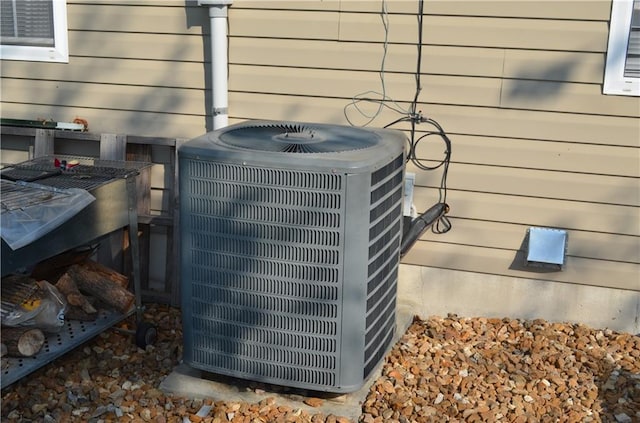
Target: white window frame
{"x": 619, "y": 29}
{"x": 60, "y": 50}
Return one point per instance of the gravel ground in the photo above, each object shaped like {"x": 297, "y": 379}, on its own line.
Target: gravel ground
{"x": 442, "y": 370}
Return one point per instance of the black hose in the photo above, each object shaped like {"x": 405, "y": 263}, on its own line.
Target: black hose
{"x": 420, "y": 224}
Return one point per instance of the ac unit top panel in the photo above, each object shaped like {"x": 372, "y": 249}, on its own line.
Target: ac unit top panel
{"x": 301, "y": 145}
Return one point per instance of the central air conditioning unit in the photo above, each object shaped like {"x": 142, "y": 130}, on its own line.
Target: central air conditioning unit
{"x": 290, "y": 241}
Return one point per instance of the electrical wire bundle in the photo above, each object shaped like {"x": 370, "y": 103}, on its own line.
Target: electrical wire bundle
{"x": 438, "y": 221}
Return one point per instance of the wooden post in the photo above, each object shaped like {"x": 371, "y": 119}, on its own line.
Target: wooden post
{"x": 173, "y": 242}
{"x": 141, "y": 153}
{"x": 112, "y": 147}
{"x": 44, "y": 142}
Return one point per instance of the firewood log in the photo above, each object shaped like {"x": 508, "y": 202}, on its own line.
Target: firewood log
{"x": 101, "y": 287}
{"x": 22, "y": 342}
{"x": 74, "y": 297}
{"x": 106, "y": 272}
{"x": 78, "y": 313}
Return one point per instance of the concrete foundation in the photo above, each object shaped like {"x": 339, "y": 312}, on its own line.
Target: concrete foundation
{"x": 437, "y": 292}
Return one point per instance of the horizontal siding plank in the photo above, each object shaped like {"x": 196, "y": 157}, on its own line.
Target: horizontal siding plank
{"x": 504, "y": 236}
{"x": 554, "y": 66}
{"x": 174, "y": 3}
{"x": 492, "y": 92}
{"x": 479, "y": 32}
{"x": 110, "y": 121}
{"x": 536, "y": 183}
{"x": 453, "y": 60}
{"x": 573, "y": 215}
{"x": 149, "y": 18}
{"x": 521, "y": 8}
{"x": 346, "y": 84}
{"x": 332, "y": 5}
{"x": 114, "y": 71}
{"x": 287, "y": 24}
{"x": 444, "y": 60}
{"x": 436, "y": 88}
{"x": 498, "y": 262}
{"x": 565, "y": 97}
{"x": 105, "y": 96}
{"x": 542, "y": 125}
{"x": 167, "y": 47}
{"x": 535, "y": 154}
{"x": 479, "y": 121}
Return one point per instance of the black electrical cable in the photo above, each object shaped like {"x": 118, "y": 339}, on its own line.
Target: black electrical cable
{"x": 414, "y": 117}
{"x": 442, "y": 223}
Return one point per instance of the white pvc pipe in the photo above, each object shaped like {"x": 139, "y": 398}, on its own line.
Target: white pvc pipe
{"x": 219, "y": 75}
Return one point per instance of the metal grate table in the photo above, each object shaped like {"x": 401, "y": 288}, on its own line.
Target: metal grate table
{"x": 113, "y": 185}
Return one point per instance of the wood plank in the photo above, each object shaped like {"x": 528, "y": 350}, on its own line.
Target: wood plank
{"x": 113, "y": 147}
{"x": 140, "y": 123}
{"x": 141, "y": 153}
{"x": 499, "y": 262}
{"x": 110, "y": 252}
{"x": 148, "y": 18}
{"x": 172, "y": 263}
{"x": 284, "y": 24}
{"x": 61, "y": 134}
{"x": 508, "y": 236}
{"x": 535, "y": 154}
{"x": 571, "y": 215}
{"x": 44, "y": 142}
{"x": 535, "y": 34}
{"x": 174, "y": 240}
{"x": 535, "y": 183}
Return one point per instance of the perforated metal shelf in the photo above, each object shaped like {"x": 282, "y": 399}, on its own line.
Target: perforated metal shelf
{"x": 72, "y": 334}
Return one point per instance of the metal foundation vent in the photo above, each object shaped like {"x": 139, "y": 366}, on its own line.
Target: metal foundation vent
{"x": 289, "y": 256}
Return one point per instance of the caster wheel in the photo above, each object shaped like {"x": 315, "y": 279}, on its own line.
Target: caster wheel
{"x": 146, "y": 334}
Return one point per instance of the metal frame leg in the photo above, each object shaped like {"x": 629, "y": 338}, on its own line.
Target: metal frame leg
{"x": 132, "y": 201}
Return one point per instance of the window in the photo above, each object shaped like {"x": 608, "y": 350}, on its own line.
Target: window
{"x": 34, "y": 30}
{"x": 622, "y": 71}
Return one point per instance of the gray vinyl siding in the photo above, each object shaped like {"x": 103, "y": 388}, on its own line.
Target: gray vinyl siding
{"x": 517, "y": 86}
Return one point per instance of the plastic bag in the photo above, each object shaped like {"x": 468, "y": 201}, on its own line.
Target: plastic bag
{"x": 24, "y": 221}
{"x": 36, "y": 304}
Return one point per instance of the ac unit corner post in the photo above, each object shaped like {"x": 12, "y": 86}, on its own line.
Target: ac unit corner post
{"x": 290, "y": 239}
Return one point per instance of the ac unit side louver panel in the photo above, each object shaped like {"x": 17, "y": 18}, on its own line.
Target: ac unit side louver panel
{"x": 284, "y": 278}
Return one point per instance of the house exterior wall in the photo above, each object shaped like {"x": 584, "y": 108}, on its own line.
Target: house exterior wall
{"x": 516, "y": 85}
